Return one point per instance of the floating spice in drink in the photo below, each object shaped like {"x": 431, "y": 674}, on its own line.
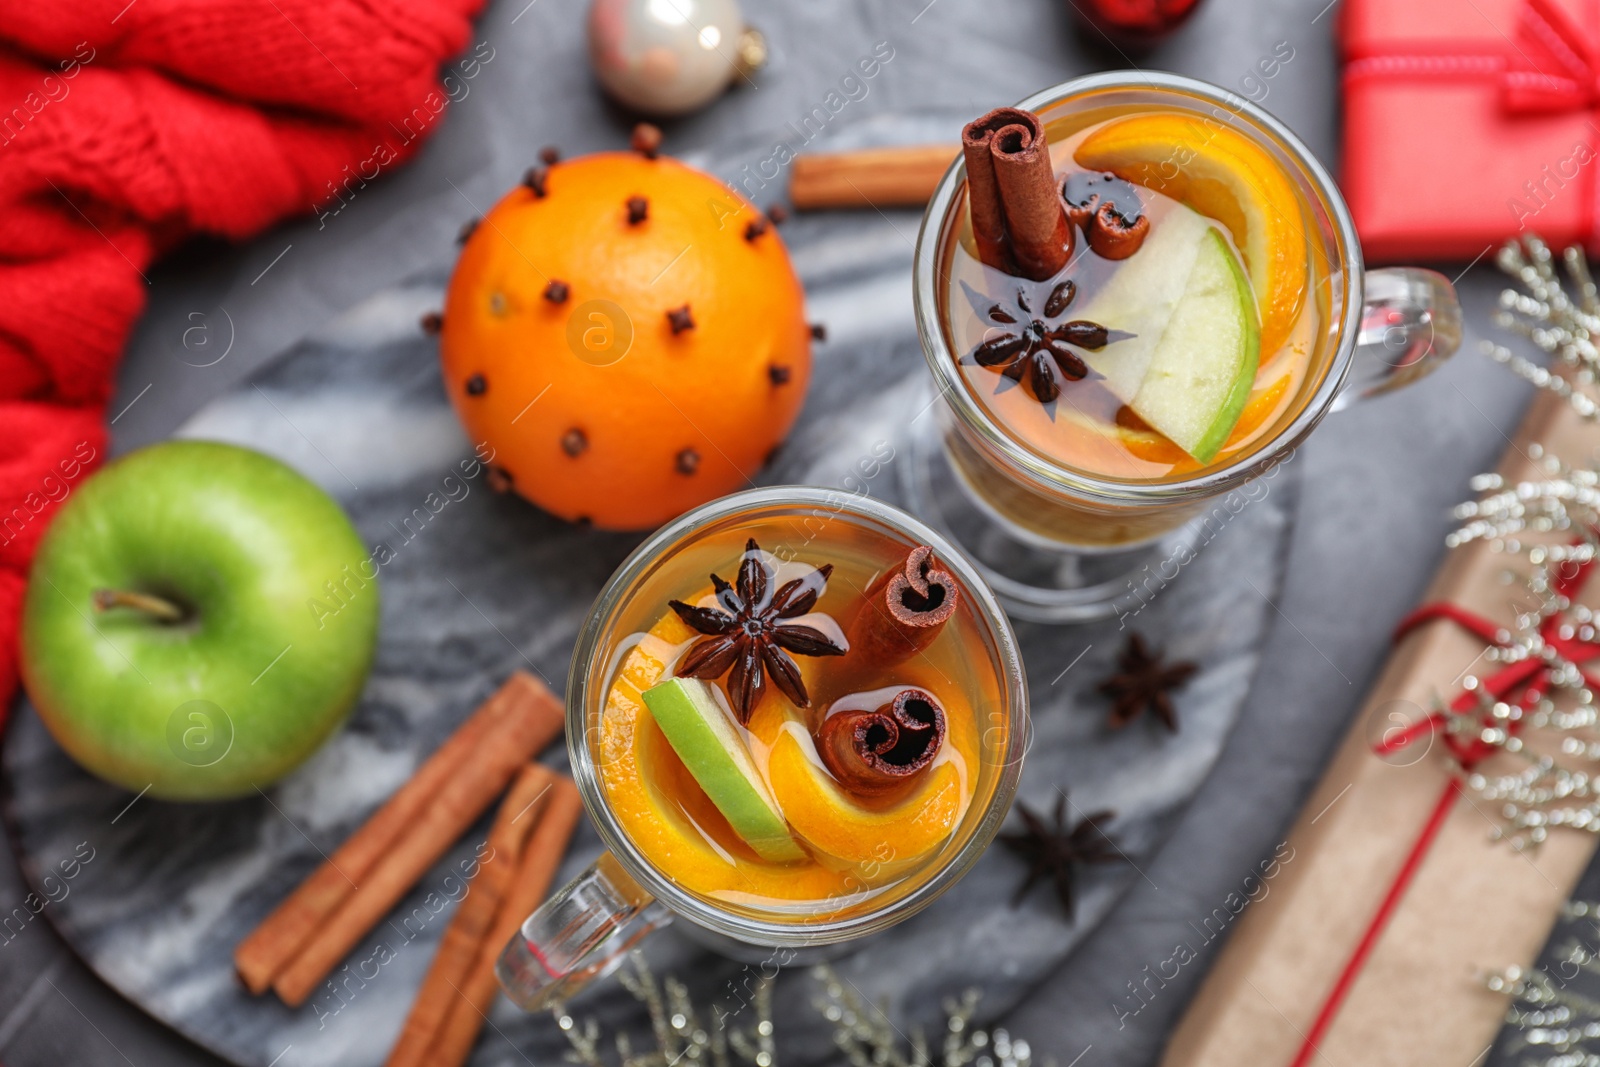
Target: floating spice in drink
{"x": 1132, "y": 293}
{"x": 1137, "y": 294}
{"x": 801, "y": 714}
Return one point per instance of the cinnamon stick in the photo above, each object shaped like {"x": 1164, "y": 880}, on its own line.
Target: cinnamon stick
{"x": 905, "y": 609}
{"x": 533, "y": 718}
{"x": 875, "y": 751}
{"x": 1036, "y": 219}
{"x": 541, "y": 857}
{"x": 469, "y": 927}
{"x": 984, "y": 208}
{"x": 900, "y": 176}
{"x": 262, "y": 955}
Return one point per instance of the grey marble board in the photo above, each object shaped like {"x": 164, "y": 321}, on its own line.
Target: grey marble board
{"x": 488, "y": 585}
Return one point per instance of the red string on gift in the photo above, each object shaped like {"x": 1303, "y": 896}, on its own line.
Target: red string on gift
{"x": 1523, "y": 682}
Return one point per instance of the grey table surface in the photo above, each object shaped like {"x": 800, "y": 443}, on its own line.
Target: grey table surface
{"x": 1372, "y": 512}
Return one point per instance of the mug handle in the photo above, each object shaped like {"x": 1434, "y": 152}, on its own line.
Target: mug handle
{"x": 581, "y": 933}
{"x": 1410, "y": 323}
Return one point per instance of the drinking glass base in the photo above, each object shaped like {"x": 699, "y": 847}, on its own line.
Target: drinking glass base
{"x": 1035, "y": 579}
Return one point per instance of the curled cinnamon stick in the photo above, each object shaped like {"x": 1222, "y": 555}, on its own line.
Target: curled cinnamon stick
{"x": 904, "y": 611}
{"x": 1114, "y": 235}
{"x": 899, "y": 176}
{"x": 1036, "y": 221}
{"x": 464, "y": 938}
{"x": 541, "y": 857}
{"x": 269, "y": 948}
{"x": 983, "y": 191}
{"x": 874, "y": 751}
{"x": 1108, "y": 210}
{"x": 533, "y": 717}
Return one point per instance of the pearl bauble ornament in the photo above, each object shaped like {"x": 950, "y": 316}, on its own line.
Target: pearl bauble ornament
{"x": 670, "y": 57}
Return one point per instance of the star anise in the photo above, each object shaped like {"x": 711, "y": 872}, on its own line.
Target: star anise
{"x": 749, "y": 635}
{"x": 1056, "y": 852}
{"x": 1036, "y": 347}
{"x": 1144, "y": 683}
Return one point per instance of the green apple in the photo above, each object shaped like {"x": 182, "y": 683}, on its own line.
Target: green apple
{"x": 199, "y": 619}
{"x": 712, "y": 746}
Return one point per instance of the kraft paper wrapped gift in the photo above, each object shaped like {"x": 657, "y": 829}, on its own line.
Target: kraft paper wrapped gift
{"x": 1468, "y": 122}
{"x": 1394, "y": 899}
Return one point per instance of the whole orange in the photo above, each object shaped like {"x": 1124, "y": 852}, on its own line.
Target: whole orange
{"x": 628, "y": 335}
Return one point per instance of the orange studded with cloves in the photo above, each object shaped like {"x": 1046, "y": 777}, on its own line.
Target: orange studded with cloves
{"x": 628, "y": 336}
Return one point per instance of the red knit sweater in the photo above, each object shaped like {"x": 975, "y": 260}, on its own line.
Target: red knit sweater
{"x": 126, "y": 127}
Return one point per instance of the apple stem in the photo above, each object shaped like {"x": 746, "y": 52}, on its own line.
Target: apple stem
{"x": 159, "y": 607}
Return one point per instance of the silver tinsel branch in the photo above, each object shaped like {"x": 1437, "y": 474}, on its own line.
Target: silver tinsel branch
{"x": 863, "y": 1034}
{"x": 1566, "y": 503}
{"x": 1564, "y": 324}
{"x": 1556, "y": 788}
{"x": 1556, "y": 1025}
{"x": 1553, "y": 522}
{"x": 867, "y": 1038}
{"x": 679, "y": 1037}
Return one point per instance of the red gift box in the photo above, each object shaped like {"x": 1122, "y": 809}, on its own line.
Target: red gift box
{"x": 1470, "y": 121}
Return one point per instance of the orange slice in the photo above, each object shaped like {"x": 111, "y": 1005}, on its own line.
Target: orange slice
{"x": 835, "y": 822}
{"x": 1222, "y": 175}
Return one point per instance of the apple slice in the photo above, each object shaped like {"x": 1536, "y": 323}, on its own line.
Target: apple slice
{"x": 1201, "y": 372}
{"x": 1140, "y": 297}
{"x": 712, "y": 746}
{"x": 1226, "y": 176}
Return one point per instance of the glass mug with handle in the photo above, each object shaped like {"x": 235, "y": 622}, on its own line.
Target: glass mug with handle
{"x": 1191, "y": 353}
{"x": 796, "y": 716}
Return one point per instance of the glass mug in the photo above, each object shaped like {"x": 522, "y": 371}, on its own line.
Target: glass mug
{"x": 1060, "y": 543}
{"x": 644, "y": 881}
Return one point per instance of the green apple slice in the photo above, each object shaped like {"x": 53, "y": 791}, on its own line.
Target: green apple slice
{"x": 712, "y": 746}
{"x": 1200, "y": 375}
{"x": 1141, "y": 296}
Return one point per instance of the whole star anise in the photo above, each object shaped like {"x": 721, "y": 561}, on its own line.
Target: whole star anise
{"x": 1035, "y": 347}
{"x": 1143, "y": 682}
{"x": 749, "y": 635}
{"x": 1055, "y": 852}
